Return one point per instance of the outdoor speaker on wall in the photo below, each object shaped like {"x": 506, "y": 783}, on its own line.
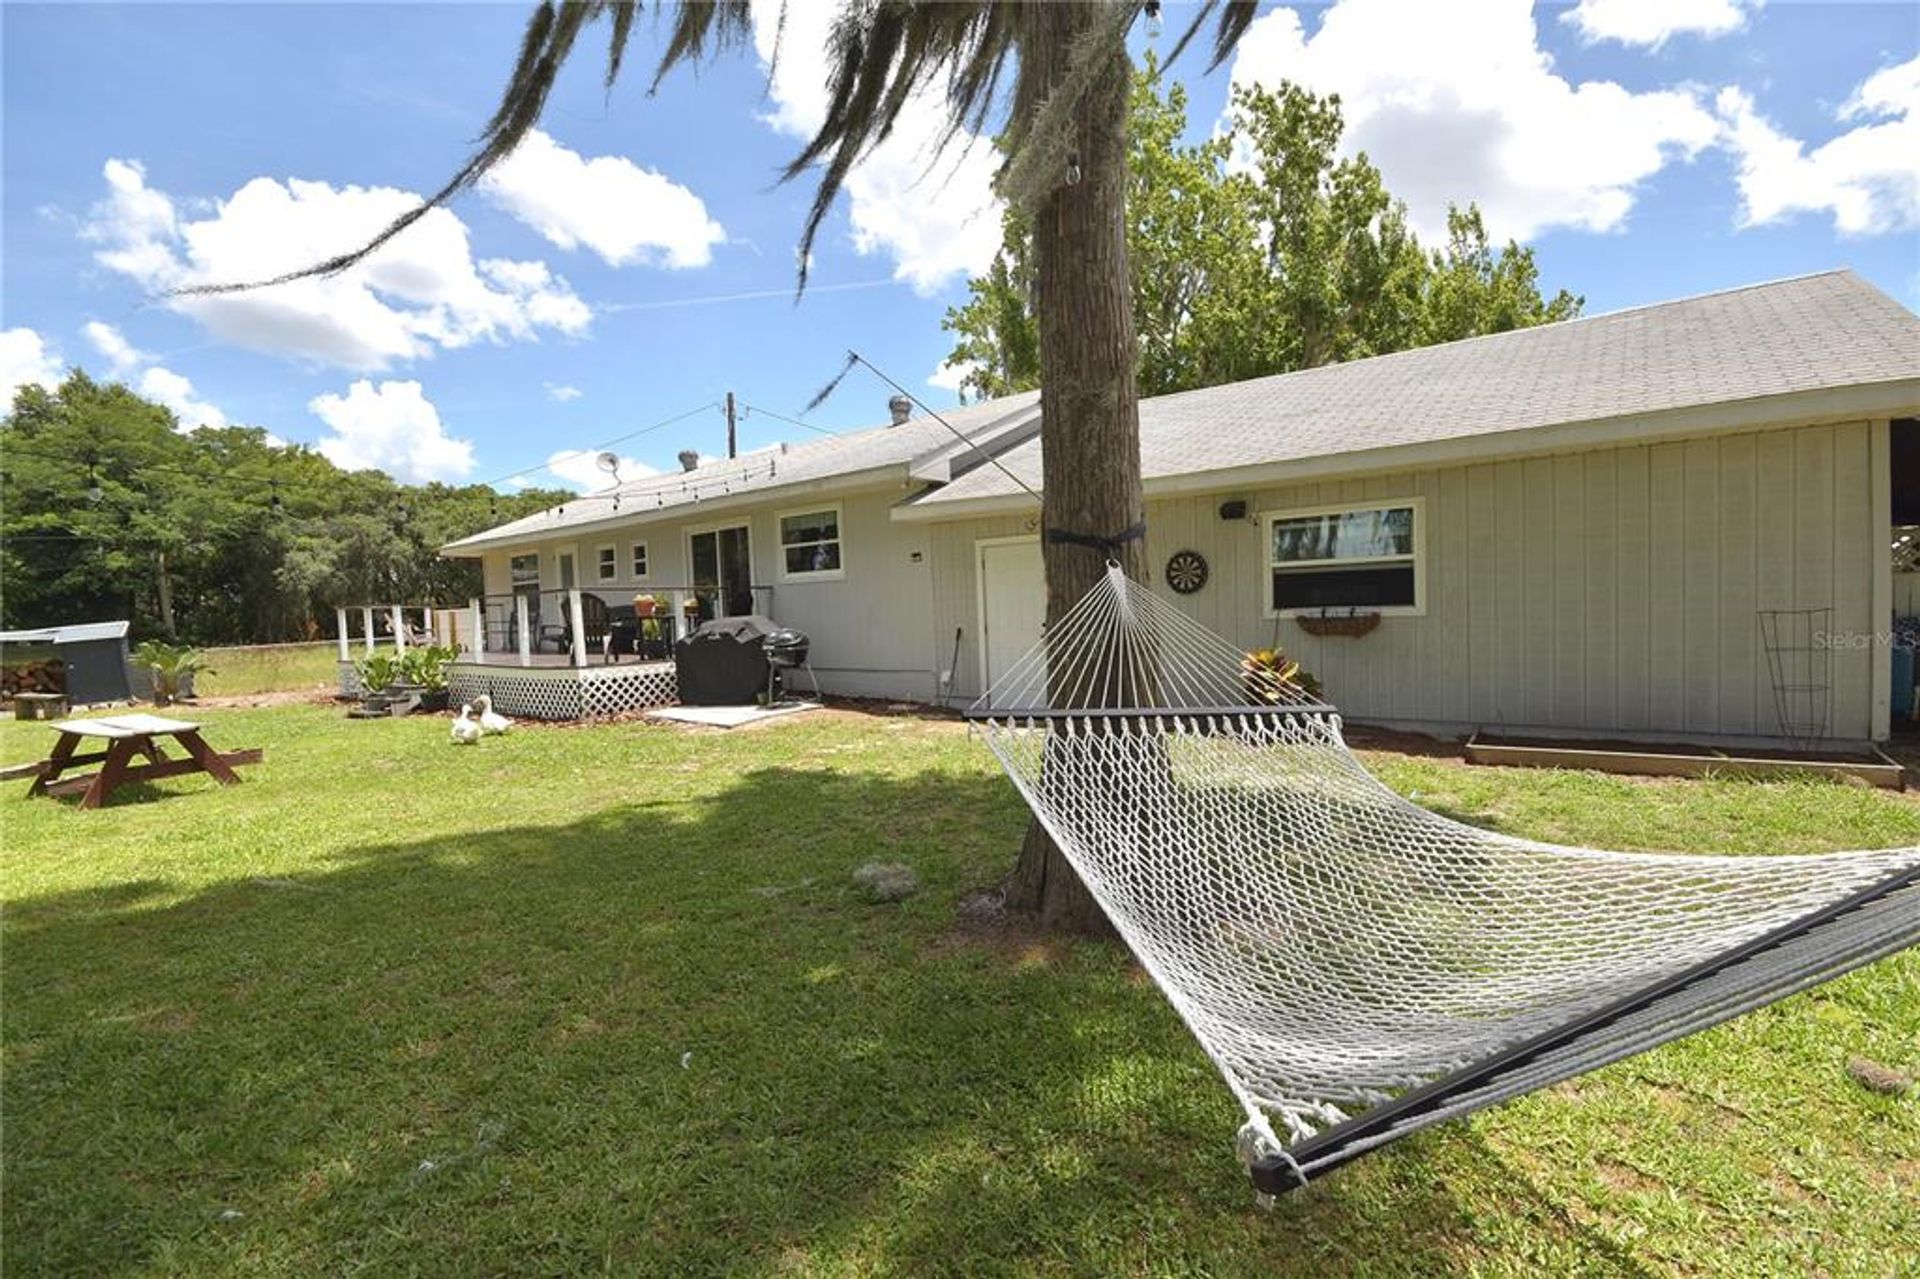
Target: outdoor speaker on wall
{"x": 1233, "y": 510}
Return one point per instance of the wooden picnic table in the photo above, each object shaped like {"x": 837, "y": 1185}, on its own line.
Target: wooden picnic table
{"x": 127, "y": 736}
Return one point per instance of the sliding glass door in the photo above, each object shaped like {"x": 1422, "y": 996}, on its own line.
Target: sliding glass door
{"x": 722, "y": 562}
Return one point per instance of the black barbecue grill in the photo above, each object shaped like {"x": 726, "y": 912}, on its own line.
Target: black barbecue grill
{"x": 786, "y": 650}
{"x": 722, "y": 664}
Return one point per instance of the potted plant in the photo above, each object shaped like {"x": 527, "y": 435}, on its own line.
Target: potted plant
{"x": 644, "y": 605}
{"x": 378, "y": 672}
{"x": 172, "y": 666}
{"x": 425, "y": 669}
{"x": 1270, "y": 676}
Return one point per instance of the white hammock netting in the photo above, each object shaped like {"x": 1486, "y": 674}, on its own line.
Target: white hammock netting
{"x": 1356, "y": 966}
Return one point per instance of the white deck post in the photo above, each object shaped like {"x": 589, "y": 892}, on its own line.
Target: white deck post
{"x": 526, "y": 631}
{"x": 477, "y": 637}
{"x": 679, "y": 615}
{"x": 579, "y": 627}
{"x": 399, "y": 629}
{"x": 340, "y": 614}
{"x": 366, "y": 619}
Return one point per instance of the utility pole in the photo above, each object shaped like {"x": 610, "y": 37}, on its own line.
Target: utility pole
{"x": 731, "y": 445}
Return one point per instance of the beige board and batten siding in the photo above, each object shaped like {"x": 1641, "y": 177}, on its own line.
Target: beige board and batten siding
{"x": 869, "y": 626}
{"x": 1614, "y": 590}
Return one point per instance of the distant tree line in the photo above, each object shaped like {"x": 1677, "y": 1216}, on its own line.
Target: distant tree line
{"x": 1259, "y": 251}
{"x": 108, "y": 511}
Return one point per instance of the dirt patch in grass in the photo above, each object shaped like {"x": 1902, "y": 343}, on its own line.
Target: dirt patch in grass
{"x": 1367, "y": 738}
{"x": 1624, "y": 1179}
{"x": 257, "y": 701}
{"x": 981, "y": 922}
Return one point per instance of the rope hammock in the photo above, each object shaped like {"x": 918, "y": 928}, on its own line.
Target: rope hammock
{"x": 1357, "y": 967}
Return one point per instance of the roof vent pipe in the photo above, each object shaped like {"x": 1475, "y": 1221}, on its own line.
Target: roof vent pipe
{"x": 689, "y": 459}
{"x": 900, "y": 408}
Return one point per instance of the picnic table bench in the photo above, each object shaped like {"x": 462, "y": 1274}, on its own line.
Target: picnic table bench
{"x": 127, "y": 736}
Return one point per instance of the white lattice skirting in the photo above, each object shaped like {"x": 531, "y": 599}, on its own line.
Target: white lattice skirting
{"x": 563, "y": 693}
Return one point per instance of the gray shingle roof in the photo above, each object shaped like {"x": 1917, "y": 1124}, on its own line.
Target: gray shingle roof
{"x": 1811, "y": 333}
{"x": 920, "y": 443}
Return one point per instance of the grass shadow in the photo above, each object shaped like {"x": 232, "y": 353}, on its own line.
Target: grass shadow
{"x": 660, "y": 1038}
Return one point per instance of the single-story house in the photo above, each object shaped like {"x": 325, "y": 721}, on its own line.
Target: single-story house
{"x": 1671, "y": 522}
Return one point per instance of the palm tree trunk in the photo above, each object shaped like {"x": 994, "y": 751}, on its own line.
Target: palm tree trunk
{"x": 1090, "y": 408}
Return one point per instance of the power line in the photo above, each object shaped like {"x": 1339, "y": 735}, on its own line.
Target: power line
{"x": 749, "y": 296}
{"x": 607, "y": 444}
{"x": 752, "y": 409}
{"x": 854, "y": 357}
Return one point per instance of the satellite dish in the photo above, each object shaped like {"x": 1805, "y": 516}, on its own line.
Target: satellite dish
{"x": 608, "y": 462}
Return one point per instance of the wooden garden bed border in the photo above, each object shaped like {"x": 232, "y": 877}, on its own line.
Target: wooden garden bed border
{"x": 1887, "y": 774}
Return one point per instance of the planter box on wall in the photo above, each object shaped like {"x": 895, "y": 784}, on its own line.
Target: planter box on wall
{"x": 1352, "y": 625}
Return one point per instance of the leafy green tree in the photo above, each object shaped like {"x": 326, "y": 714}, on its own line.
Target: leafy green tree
{"x": 218, "y": 536}
{"x": 1259, "y": 251}
{"x": 1474, "y": 290}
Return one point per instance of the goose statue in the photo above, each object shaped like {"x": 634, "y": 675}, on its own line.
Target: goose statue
{"x": 491, "y": 720}
{"x": 466, "y": 731}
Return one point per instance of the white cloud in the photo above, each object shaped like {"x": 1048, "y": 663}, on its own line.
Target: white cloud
{"x": 392, "y": 427}
{"x": 934, "y": 213}
{"x": 161, "y": 385}
{"x": 1868, "y": 178}
{"x": 164, "y": 386}
{"x": 1651, "y": 23}
{"x": 950, "y": 375}
{"x": 421, "y": 293}
{"x": 1459, "y": 111}
{"x": 580, "y": 470}
{"x": 609, "y": 204}
{"x": 26, "y": 359}
{"x": 121, "y": 355}
{"x": 560, "y": 393}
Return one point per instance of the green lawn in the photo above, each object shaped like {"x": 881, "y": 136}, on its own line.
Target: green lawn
{"x": 269, "y": 668}
{"x": 603, "y": 1000}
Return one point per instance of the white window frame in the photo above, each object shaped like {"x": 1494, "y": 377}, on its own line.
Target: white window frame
{"x": 515, "y": 584}
{"x": 606, "y": 556}
{"x": 1418, "y": 505}
{"x": 780, "y": 544}
{"x": 637, "y": 554}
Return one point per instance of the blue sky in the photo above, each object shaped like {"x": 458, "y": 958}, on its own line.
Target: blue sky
{"x": 1648, "y": 149}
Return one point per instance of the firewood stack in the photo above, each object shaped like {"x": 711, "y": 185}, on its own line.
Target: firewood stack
{"x": 48, "y": 676}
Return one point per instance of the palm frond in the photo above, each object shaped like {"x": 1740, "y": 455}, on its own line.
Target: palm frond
{"x": 881, "y": 53}
{"x": 1235, "y": 16}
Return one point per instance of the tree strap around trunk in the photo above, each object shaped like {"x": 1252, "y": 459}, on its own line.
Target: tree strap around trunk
{"x": 1107, "y": 546}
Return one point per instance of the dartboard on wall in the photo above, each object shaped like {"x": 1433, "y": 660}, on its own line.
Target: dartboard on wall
{"x": 1186, "y": 571}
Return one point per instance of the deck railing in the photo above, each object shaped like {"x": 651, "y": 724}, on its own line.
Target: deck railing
{"x": 434, "y": 627}
{"x": 530, "y": 622}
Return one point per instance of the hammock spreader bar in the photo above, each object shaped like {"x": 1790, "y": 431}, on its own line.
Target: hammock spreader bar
{"x": 1312, "y": 1158}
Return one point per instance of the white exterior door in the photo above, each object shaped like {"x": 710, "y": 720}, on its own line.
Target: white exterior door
{"x": 1013, "y": 604}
